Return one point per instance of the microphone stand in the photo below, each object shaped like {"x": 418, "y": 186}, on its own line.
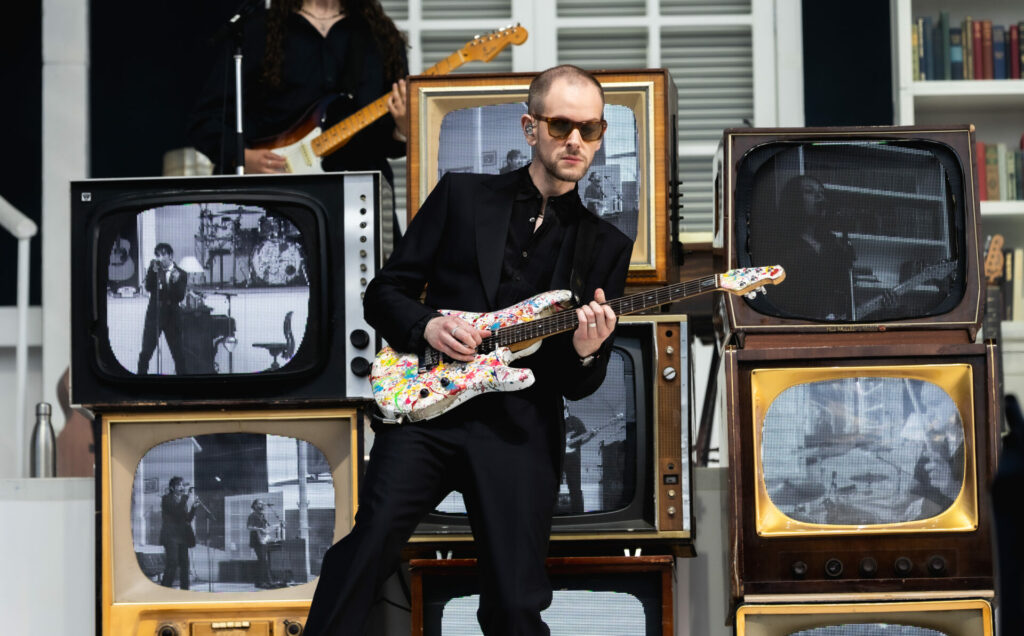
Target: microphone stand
{"x": 209, "y": 558}
{"x": 234, "y": 29}
{"x": 279, "y": 524}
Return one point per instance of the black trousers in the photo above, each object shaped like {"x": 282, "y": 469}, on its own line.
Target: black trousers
{"x": 169, "y": 319}
{"x": 508, "y": 478}
{"x": 175, "y": 563}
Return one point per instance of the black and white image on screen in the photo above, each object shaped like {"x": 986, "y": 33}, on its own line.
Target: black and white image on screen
{"x": 863, "y": 451}
{"x": 257, "y": 512}
{"x": 611, "y": 189}
{"x": 226, "y": 290}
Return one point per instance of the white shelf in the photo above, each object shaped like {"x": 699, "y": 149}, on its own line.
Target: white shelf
{"x": 1000, "y": 209}
{"x": 985, "y": 95}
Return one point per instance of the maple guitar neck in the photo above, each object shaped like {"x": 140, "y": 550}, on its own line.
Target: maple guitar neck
{"x": 566, "y": 320}
{"x": 339, "y": 134}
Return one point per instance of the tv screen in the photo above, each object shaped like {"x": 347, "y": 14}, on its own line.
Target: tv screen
{"x": 216, "y": 285}
{"x": 625, "y": 471}
{"x": 471, "y": 123}
{"x": 861, "y": 468}
{"x": 865, "y": 447}
{"x": 202, "y": 289}
{"x": 872, "y": 226}
{"x": 929, "y": 617}
{"x": 227, "y": 513}
{"x": 628, "y": 601}
{"x": 610, "y": 189}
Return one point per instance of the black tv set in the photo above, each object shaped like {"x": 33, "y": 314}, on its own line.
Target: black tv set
{"x": 876, "y": 227}
{"x": 222, "y": 290}
{"x": 626, "y": 475}
{"x": 597, "y": 596}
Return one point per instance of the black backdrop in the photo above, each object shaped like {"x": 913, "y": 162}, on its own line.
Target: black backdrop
{"x": 149, "y": 59}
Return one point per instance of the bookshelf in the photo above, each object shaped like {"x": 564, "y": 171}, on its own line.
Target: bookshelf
{"x": 995, "y": 107}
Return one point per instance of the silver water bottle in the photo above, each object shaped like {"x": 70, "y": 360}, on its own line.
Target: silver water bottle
{"x": 44, "y": 444}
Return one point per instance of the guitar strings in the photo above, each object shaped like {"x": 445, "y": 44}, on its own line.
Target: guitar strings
{"x": 566, "y": 320}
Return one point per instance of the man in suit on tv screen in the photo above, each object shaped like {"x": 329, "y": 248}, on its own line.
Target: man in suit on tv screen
{"x": 481, "y": 243}
{"x": 166, "y": 284}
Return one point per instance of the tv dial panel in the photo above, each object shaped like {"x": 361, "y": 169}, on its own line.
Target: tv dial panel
{"x": 362, "y": 200}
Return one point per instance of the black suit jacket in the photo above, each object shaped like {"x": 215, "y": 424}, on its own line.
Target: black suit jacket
{"x": 454, "y": 247}
{"x": 171, "y": 292}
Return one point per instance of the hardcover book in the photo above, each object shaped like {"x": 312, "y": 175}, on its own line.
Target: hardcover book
{"x": 1013, "y": 51}
{"x": 986, "y": 49}
{"x": 968, "y": 38}
{"x": 979, "y": 162}
{"x": 992, "y": 172}
{"x": 998, "y": 52}
{"x": 956, "y": 53}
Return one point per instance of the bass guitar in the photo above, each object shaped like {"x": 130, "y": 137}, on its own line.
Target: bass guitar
{"x": 305, "y": 144}
{"x": 414, "y": 387}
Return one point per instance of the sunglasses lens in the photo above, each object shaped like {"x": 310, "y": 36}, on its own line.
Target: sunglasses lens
{"x": 559, "y": 128}
{"x": 591, "y": 131}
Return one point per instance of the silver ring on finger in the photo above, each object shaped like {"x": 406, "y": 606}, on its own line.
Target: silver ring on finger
{"x": 454, "y": 329}
{"x": 591, "y": 324}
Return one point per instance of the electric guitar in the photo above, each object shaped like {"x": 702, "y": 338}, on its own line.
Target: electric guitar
{"x": 415, "y": 387}
{"x": 305, "y": 144}
{"x": 992, "y": 321}
{"x": 932, "y": 272}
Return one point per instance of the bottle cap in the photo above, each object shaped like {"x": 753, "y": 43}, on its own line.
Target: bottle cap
{"x": 43, "y": 408}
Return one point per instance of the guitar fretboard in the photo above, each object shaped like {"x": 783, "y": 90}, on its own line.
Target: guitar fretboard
{"x": 566, "y": 320}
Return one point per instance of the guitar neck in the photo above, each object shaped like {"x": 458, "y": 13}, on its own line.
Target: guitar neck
{"x": 339, "y": 134}
{"x": 566, "y": 320}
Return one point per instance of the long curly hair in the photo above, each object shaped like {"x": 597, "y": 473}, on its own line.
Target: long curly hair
{"x": 389, "y": 39}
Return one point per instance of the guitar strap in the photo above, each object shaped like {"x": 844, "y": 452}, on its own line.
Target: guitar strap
{"x": 586, "y": 233}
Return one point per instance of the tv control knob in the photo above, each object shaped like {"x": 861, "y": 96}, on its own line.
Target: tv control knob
{"x": 936, "y": 565}
{"x": 669, "y": 373}
{"x": 359, "y": 339}
{"x": 799, "y": 569}
{"x": 362, "y": 253}
{"x": 671, "y": 493}
{"x": 868, "y": 567}
{"x": 293, "y": 628}
{"x": 903, "y": 566}
{"x": 833, "y": 568}
{"x": 360, "y": 367}
{"x": 671, "y": 510}
{"x": 670, "y": 350}
{"x": 167, "y": 630}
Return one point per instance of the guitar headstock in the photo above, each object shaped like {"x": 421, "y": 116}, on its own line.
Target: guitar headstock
{"x": 994, "y": 258}
{"x": 484, "y": 48}
{"x": 747, "y": 280}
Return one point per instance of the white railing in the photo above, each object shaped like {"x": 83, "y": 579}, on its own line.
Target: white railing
{"x": 23, "y": 229}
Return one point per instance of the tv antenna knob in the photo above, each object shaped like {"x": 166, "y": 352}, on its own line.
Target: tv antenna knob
{"x": 292, "y": 628}
{"x": 669, "y": 373}
{"x": 903, "y": 566}
{"x": 936, "y": 565}
{"x": 799, "y": 569}
{"x": 167, "y": 630}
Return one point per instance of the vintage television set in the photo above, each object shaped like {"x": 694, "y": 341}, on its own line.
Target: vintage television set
{"x": 620, "y": 596}
{"x": 627, "y": 474}
{"x": 860, "y": 469}
{"x": 224, "y": 290}
{"x": 298, "y": 469}
{"x": 877, "y": 228}
{"x": 918, "y": 617}
{"x": 471, "y": 123}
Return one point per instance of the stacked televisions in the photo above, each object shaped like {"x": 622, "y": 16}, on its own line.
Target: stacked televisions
{"x": 240, "y": 370}
{"x": 860, "y": 411}
{"x": 634, "y": 468}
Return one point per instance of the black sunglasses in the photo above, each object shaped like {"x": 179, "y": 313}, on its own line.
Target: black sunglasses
{"x": 560, "y": 127}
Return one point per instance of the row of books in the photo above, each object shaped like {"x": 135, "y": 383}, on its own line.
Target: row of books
{"x": 974, "y": 49}
{"x": 1000, "y": 172}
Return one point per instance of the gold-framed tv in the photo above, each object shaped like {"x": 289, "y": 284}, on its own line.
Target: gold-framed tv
{"x": 301, "y": 466}
{"x": 471, "y": 123}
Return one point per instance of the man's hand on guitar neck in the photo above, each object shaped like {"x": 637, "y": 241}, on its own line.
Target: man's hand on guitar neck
{"x": 453, "y": 337}
{"x": 263, "y": 161}
{"x": 597, "y": 321}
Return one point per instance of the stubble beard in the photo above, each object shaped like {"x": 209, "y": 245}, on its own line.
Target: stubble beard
{"x": 562, "y": 173}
